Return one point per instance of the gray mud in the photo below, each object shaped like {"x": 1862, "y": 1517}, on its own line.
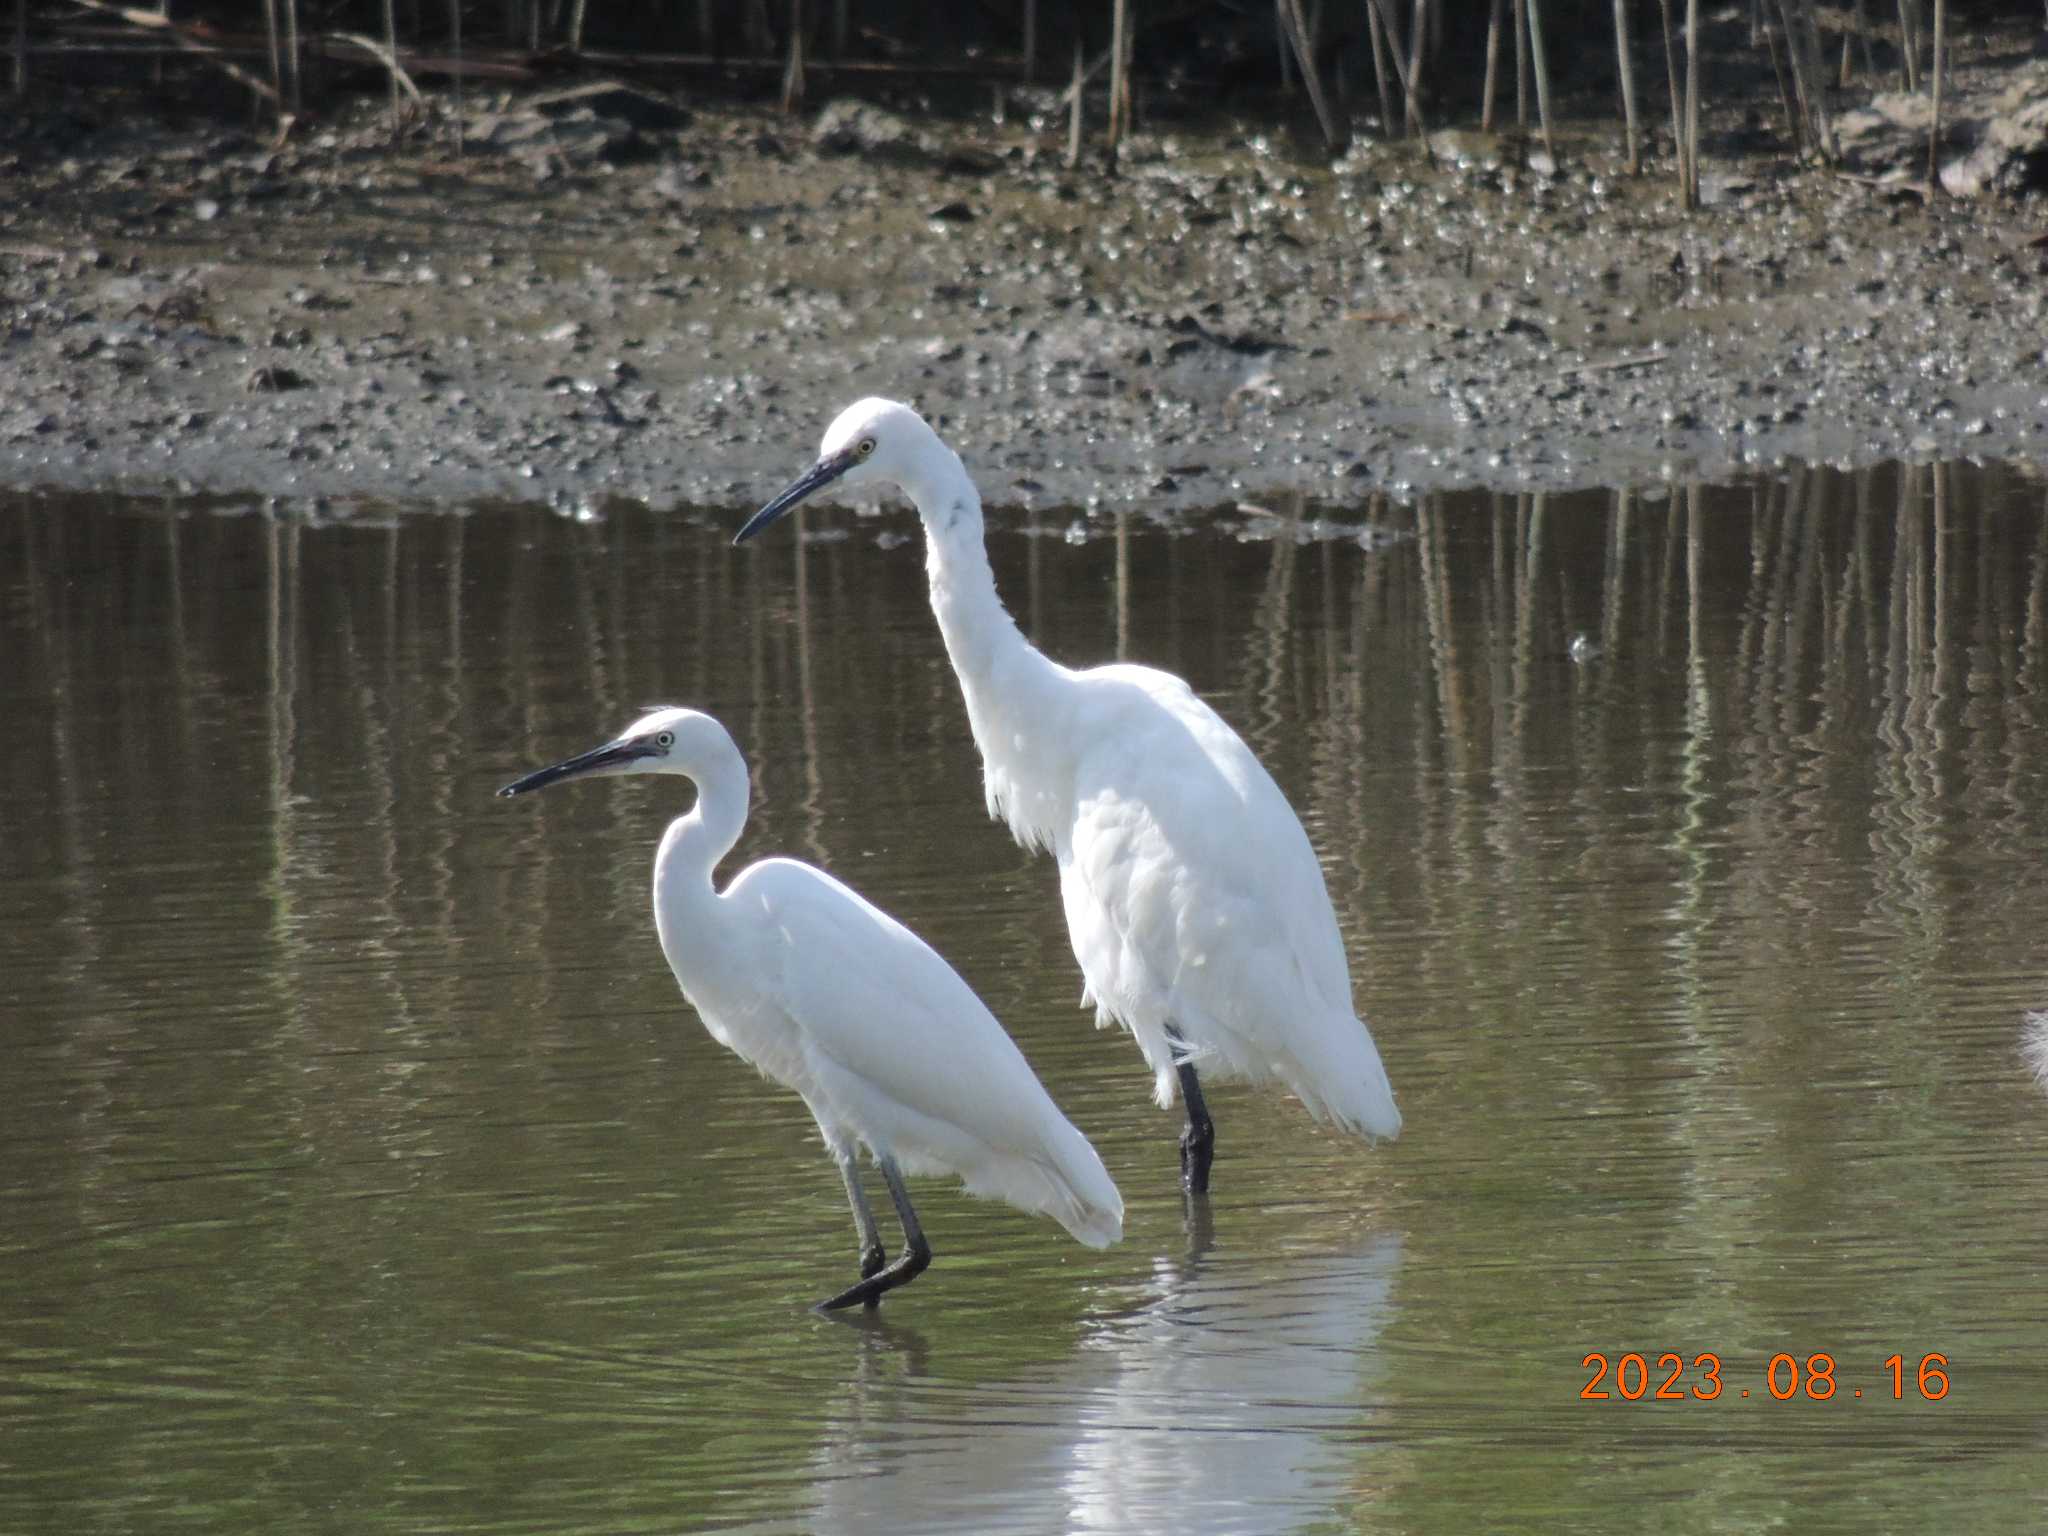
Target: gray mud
{"x": 1216, "y": 316}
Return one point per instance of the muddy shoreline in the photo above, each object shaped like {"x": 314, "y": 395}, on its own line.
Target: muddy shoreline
{"x": 1217, "y": 316}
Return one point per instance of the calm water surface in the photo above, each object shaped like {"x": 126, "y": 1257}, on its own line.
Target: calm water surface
{"x": 360, "y": 1169}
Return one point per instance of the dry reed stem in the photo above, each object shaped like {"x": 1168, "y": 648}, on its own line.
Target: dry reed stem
{"x": 1692, "y": 103}
{"x": 1542, "y": 69}
{"x": 1378, "y": 34}
{"x": 1863, "y": 31}
{"x": 1628, "y": 87}
{"x": 293, "y": 57}
{"x": 270, "y": 30}
{"x": 391, "y": 45}
{"x": 1123, "y": 46}
{"x": 1410, "y": 108}
{"x": 1677, "y": 98}
{"x": 1336, "y": 133}
{"x": 1785, "y": 103}
{"x": 455, "y": 42}
{"x": 1522, "y": 65}
{"x": 1490, "y": 87}
{"x": 1076, "y": 93}
{"x": 1802, "y": 50}
{"x": 1083, "y": 76}
{"x": 1934, "y": 128}
{"x": 1124, "y": 65}
{"x": 793, "y": 71}
{"x": 1119, "y": 18}
{"x": 1418, "y": 30}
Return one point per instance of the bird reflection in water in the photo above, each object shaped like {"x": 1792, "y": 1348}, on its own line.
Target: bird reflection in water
{"x": 1228, "y": 1398}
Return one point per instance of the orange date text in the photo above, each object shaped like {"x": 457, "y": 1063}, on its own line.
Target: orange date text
{"x": 1672, "y": 1378}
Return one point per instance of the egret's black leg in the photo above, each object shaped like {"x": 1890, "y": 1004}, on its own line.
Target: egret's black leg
{"x": 872, "y": 1257}
{"x": 1198, "y": 1141}
{"x": 910, "y": 1263}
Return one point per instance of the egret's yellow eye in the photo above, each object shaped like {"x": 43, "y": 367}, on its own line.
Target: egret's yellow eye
{"x": 867, "y": 446}
{"x": 665, "y": 740}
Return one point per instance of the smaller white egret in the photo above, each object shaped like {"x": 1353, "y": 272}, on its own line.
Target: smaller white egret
{"x": 827, "y": 994}
{"x": 1194, "y": 902}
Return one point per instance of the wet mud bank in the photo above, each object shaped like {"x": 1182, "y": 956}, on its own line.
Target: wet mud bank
{"x": 586, "y": 306}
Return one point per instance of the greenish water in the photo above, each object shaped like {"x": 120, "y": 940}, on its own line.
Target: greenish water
{"x": 360, "y": 1169}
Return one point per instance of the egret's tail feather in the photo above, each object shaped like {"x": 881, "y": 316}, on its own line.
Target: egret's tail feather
{"x": 1089, "y": 1206}
{"x": 1062, "y": 1178}
{"x": 1095, "y": 1225}
{"x": 1347, "y": 1083}
{"x": 1054, "y": 1172}
{"x": 1087, "y": 1202}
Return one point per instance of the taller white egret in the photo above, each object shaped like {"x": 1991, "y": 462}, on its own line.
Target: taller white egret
{"x": 828, "y": 995}
{"x": 1194, "y": 902}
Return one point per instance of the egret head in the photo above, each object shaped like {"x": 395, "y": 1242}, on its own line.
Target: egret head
{"x": 665, "y": 740}
{"x": 871, "y": 442}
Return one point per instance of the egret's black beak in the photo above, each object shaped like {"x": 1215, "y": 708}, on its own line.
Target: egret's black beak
{"x": 818, "y": 476}
{"x": 612, "y": 757}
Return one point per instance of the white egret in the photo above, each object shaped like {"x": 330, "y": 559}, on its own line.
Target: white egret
{"x": 1194, "y": 902}
{"x": 827, "y": 994}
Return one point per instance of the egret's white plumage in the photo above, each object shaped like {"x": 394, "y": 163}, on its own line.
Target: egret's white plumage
{"x": 830, "y": 996}
{"x": 1195, "y": 904}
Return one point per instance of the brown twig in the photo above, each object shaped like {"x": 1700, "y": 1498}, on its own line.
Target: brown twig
{"x": 184, "y": 39}
{"x": 1615, "y": 364}
{"x": 388, "y": 57}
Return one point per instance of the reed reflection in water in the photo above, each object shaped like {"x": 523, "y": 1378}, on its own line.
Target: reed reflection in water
{"x": 359, "y": 1157}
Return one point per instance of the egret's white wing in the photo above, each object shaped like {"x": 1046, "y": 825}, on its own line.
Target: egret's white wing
{"x": 905, "y": 1055}
{"x": 1193, "y": 896}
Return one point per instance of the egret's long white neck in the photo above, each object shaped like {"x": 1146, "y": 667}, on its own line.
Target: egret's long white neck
{"x": 978, "y": 629}
{"x": 695, "y": 842}
{"x": 1016, "y": 697}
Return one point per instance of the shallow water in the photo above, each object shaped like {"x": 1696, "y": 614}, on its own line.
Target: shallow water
{"x": 361, "y": 1169}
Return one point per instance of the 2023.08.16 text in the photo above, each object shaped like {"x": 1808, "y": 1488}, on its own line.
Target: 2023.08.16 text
{"x": 1784, "y": 1377}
